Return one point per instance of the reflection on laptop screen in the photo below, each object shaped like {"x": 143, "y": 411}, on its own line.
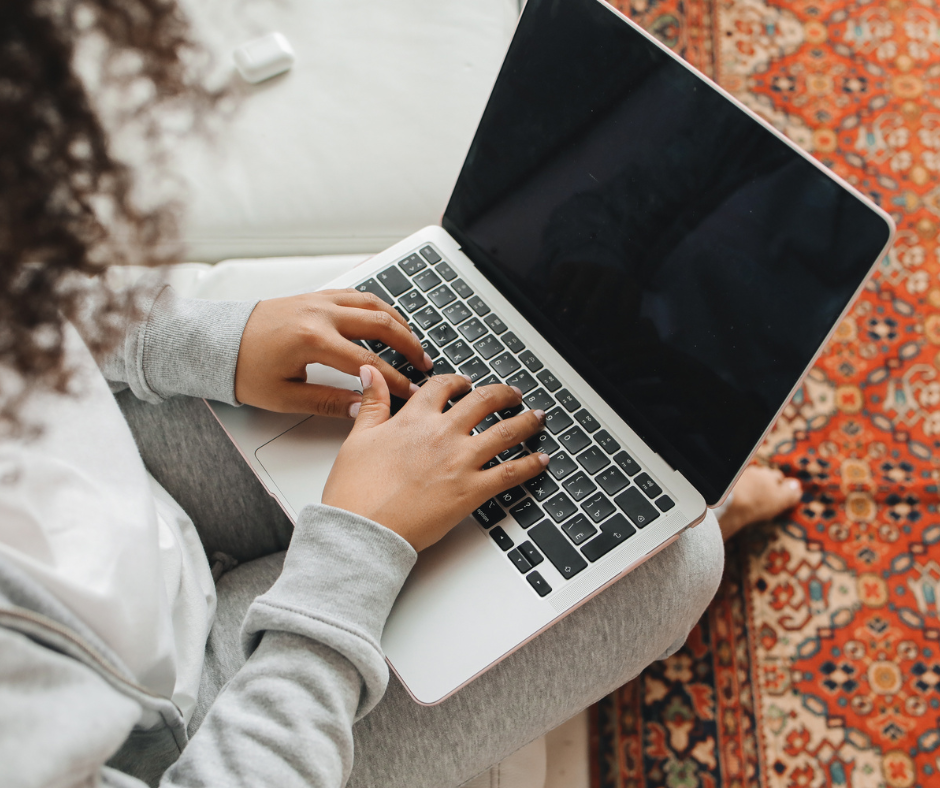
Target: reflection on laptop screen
{"x": 683, "y": 259}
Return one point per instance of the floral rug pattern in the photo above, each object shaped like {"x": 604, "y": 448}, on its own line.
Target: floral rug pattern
{"x": 818, "y": 663}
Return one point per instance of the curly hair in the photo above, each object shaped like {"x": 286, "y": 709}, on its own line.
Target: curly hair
{"x": 66, "y": 204}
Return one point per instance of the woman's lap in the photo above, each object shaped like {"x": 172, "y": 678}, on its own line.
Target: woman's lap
{"x": 594, "y": 650}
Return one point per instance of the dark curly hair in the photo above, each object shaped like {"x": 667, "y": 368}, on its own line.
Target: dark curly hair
{"x": 66, "y": 204}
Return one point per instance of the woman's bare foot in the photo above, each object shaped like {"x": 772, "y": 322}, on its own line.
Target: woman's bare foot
{"x": 760, "y": 494}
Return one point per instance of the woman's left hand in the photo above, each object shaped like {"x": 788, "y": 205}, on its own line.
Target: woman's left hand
{"x": 283, "y": 335}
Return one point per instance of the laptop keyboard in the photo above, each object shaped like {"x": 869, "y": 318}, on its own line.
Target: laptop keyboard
{"x": 593, "y": 496}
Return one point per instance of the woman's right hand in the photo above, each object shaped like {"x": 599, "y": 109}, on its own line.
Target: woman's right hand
{"x": 420, "y": 473}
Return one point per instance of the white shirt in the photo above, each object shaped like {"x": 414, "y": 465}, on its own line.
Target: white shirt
{"x": 80, "y": 514}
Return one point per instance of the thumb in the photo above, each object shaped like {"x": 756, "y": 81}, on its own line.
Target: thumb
{"x": 375, "y": 406}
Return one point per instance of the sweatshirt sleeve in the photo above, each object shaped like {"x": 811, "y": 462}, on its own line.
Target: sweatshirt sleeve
{"x": 179, "y": 346}
{"x": 315, "y": 665}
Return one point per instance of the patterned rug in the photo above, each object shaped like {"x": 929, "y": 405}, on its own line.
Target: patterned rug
{"x": 818, "y": 664}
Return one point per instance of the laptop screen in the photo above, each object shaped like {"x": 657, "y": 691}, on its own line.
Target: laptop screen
{"x": 681, "y": 257}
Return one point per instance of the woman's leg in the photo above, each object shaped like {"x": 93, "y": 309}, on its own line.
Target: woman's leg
{"x": 186, "y": 450}
{"x": 596, "y": 649}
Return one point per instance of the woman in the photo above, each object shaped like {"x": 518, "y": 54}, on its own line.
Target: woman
{"x": 121, "y": 658}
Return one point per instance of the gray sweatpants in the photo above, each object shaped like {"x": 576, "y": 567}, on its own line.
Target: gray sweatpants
{"x": 597, "y": 648}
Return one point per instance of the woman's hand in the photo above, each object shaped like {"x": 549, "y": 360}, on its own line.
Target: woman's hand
{"x": 419, "y": 474}
{"x": 283, "y": 335}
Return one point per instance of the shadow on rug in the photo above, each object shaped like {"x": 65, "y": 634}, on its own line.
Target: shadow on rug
{"x": 818, "y": 663}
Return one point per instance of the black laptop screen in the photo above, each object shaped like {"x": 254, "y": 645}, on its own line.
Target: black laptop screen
{"x": 682, "y": 258}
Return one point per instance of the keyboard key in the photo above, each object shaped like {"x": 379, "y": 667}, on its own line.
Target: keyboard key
{"x": 528, "y": 358}
{"x": 509, "y": 497}
{"x": 612, "y": 480}
{"x": 458, "y": 352}
{"x": 522, "y": 380}
{"x": 496, "y": 325}
{"x": 548, "y": 380}
{"x": 513, "y": 342}
{"x": 429, "y": 348}
{"x": 538, "y": 583}
{"x": 442, "y": 335}
{"x": 542, "y": 442}
{"x": 412, "y": 300}
{"x": 371, "y": 286}
{"x": 412, "y": 264}
{"x": 575, "y": 440}
{"x": 413, "y": 374}
{"x": 606, "y": 442}
{"x": 478, "y": 305}
{"x": 426, "y": 280}
{"x": 488, "y": 347}
{"x": 511, "y": 452}
{"x": 446, "y": 272}
{"x": 501, "y": 538}
{"x": 539, "y": 400}
{"x": 541, "y": 486}
{"x": 592, "y": 460}
{"x": 557, "y": 549}
{"x": 627, "y": 462}
{"x": 488, "y": 381}
{"x": 474, "y": 369}
{"x": 560, "y": 507}
{"x": 557, "y": 420}
{"x": 487, "y": 422}
{"x": 457, "y": 313}
{"x": 586, "y": 420}
{"x": 528, "y": 550}
{"x": 375, "y": 345}
{"x": 442, "y": 367}
{"x": 598, "y": 507}
{"x": 427, "y": 317}
{"x": 579, "y": 485}
{"x": 508, "y": 413}
{"x": 579, "y": 529}
{"x": 428, "y": 253}
{"x": 472, "y": 330}
{"x": 462, "y": 288}
{"x": 665, "y": 503}
{"x": 504, "y": 365}
{"x": 647, "y": 485}
{"x": 489, "y": 513}
{"x": 394, "y": 281}
{"x": 636, "y": 507}
{"x": 393, "y": 358}
{"x": 519, "y": 560}
{"x": 442, "y": 296}
{"x": 613, "y": 532}
{"x": 567, "y": 401}
{"x": 561, "y": 465}
{"x": 526, "y": 512}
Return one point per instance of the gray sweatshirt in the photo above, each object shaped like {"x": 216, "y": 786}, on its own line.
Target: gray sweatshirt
{"x": 68, "y": 707}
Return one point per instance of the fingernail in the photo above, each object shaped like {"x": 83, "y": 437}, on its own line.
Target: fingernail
{"x": 794, "y": 484}
{"x": 427, "y": 361}
{"x": 365, "y": 375}
{"x": 544, "y": 458}
{"x": 412, "y": 390}
{"x": 517, "y": 390}
{"x": 354, "y": 409}
{"x": 540, "y": 415}
{"x": 467, "y": 378}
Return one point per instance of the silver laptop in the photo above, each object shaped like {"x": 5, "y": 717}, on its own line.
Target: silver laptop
{"x": 654, "y": 266}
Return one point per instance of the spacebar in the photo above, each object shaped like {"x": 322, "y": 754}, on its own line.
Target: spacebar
{"x": 559, "y": 551}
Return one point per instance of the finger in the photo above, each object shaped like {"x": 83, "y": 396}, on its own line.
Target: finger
{"x": 507, "y": 433}
{"x": 375, "y": 407}
{"x": 439, "y": 389}
{"x": 350, "y": 357}
{"x": 371, "y": 324}
{"x": 501, "y": 477}
{"x": 483, "y": 401}
{"x": 299, "y": 397}
{"x": 359, "y": 300}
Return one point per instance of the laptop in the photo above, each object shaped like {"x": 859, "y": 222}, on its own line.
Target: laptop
{"x": 651, "y": 264}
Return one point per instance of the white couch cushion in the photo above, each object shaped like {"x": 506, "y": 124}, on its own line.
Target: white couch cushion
{"x": 359, "y": 144}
